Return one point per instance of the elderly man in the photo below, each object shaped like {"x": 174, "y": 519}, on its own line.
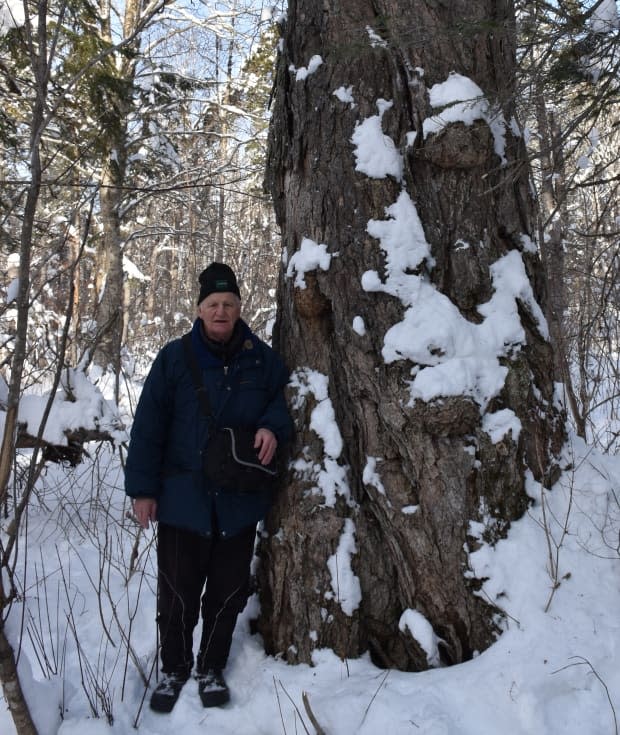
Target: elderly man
{"x": 206, "y": 534}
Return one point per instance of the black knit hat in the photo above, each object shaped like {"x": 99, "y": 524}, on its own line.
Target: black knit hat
{"x": 218, "y": 277}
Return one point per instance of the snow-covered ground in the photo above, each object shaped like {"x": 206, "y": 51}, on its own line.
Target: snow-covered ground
{"x": 552, "y": 671}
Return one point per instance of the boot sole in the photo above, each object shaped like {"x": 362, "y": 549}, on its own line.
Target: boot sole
{"x": 165, "y": 704}
{"x": 163, "y": 707}
{"x": 214, "y": 699}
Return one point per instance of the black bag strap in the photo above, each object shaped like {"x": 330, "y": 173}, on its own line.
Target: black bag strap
{"x": 194, "y": 369}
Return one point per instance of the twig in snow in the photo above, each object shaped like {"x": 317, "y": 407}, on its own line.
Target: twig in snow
{"x": 581, "y": 661}
{"x": 310, "y": 713}
{"x": 387, "y": 673}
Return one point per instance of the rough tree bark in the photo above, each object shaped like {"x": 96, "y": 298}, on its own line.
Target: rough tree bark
{"x": 433, "y": 455}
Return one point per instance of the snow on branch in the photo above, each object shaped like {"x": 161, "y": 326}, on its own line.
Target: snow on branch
{"x": 79, "y": 413}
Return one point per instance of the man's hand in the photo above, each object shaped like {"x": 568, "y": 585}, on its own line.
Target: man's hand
{"x": 145, "y": 510}
{"x": 266, "y": 443}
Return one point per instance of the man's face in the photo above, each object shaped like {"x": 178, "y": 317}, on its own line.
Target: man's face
{"x": 219, "y": 313}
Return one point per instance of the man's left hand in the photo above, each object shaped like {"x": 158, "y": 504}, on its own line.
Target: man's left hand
{"x": 266, "y": 443}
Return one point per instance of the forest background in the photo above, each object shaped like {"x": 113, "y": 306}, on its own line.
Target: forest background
{"x": 133, "y": 153}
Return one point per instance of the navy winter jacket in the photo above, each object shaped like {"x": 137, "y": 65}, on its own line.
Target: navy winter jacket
{"x": 170, "y": 431}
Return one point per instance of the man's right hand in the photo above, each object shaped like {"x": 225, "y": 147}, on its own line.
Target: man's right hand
{"x": 145, "y": 510}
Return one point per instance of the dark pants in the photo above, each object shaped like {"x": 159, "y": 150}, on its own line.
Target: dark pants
{"x": 185, "y": 561}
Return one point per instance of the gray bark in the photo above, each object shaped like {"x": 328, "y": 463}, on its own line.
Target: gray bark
{"x": 434, "y": 455}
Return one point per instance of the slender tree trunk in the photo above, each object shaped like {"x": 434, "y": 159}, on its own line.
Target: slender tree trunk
{"x": 552, "y": 242}
{"x": 39, "y": 64}
{"x": 38, "y": 57}
{"x": 109, "y": 280}
{"x": 410, "y": 476}
{"x": 12, "y": 690}
{"x": 222, "y": 247}
{"x": 75, "y": 252}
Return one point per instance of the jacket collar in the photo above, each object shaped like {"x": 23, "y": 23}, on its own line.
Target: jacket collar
{"x": 244, "y": 342}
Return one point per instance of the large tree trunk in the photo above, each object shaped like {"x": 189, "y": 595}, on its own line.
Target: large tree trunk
{"x": 395, "y": 526}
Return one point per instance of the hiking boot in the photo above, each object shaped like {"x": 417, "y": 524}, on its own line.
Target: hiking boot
{"x": 167, "y": 692}
{"x": 212, "y": 688}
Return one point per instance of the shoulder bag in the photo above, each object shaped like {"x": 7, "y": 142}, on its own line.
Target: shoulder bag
{"x": 230, "y": 461}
